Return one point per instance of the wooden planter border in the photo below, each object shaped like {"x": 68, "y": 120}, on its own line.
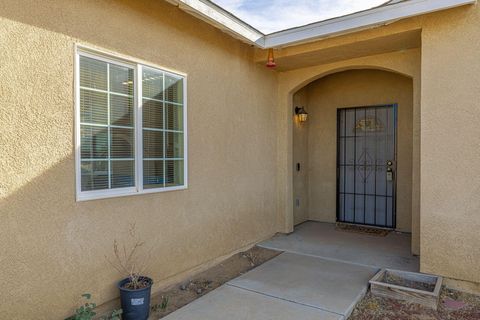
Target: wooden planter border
{"x": 423, "y": 297}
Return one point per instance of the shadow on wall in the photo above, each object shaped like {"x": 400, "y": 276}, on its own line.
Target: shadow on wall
{"x": 101, "y": 23}
{"x": 347, "y": 68}
{"x": 52, "y": 248}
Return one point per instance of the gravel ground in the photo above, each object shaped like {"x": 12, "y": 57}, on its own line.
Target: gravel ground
{"x": 453, "y": 305}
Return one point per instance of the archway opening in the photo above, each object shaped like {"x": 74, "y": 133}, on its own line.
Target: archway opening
{"x": 329, "y": 189}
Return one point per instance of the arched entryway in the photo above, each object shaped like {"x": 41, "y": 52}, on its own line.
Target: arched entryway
{"x": 403, "y": 64}
{"x": 358, "y": 121}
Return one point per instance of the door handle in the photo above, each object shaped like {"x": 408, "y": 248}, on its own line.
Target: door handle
{"x": 389, "y": 174}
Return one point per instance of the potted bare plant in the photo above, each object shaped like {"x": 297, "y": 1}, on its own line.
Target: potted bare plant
{"x": 135, "y": 289}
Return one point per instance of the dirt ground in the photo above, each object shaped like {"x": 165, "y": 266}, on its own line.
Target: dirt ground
{"x": 453, "y": 305}
{"x": 394, "y": 279}
{"x": 184, "y": 293}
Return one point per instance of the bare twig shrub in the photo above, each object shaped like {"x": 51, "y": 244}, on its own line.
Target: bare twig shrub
{"x": 130, "y": 259}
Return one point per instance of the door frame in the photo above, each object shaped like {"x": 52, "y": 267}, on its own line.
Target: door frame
{"x": 395, "y": 175}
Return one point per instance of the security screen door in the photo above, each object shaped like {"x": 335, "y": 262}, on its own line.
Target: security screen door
{"x": 366, "y": 165}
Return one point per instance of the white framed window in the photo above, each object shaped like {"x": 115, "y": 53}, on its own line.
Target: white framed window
{"x": 130, "y": 128}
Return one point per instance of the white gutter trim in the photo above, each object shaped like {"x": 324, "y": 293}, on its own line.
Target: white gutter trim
{"x": 333, "y": 27}
{"x": 221, "y": 18}
{"x": 361, "y": 20}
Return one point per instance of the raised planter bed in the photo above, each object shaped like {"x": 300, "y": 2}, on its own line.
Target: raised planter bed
{"x": 413, "y": 287}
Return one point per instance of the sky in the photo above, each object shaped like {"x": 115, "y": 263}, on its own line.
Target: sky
{"x": 274, "y": 15}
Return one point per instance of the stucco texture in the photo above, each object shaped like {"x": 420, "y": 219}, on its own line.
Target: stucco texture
{"x": 300, "y": 156}
{"x": 241, "y": 144}
{"x": 352, "y": 89}
{"x": 52, "y": 248}
{"x": 450, "y": 148}
{"x": 446, "y": 89}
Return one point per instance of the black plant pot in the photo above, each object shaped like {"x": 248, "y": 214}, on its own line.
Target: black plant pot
{"x": 135, "y": 303}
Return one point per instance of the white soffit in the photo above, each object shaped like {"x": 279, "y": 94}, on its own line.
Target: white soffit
{"x": 221, "y": 19}
{"x": 377, "y": 16}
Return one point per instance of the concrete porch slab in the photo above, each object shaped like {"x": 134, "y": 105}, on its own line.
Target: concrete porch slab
{"x": 232, "y": 303}
{"x": 322, "y": 240}
{"x": 324, "y": 284}
{"x": 322, "y": 275}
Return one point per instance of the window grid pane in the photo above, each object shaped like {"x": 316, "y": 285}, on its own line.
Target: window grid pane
{"x": 93, "y": 106}
{"x": 107, "y": 125}
{"x": 93, "y": 73}
{"x": 153, "y": 176}
{"x": 94, "y": 142}
{"x": 123, "y": 173}
{"x": 94, "y": 175}
{"x": 163, "y": 146}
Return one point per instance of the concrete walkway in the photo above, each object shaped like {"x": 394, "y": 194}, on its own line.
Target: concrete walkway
{"x": 230, "y": 303}
{"x": 324, "y": 241}
{"x": 314, "y": 279}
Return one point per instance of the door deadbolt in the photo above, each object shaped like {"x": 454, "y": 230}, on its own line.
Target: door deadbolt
{"x": 389, "y": 163}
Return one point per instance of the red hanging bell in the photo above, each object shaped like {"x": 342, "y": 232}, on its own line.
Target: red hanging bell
{"x": 271, "y": 60}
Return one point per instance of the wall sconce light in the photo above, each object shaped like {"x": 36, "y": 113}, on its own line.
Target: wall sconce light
{"x": 302, "y": 115}
{"x": 270, "y": 60}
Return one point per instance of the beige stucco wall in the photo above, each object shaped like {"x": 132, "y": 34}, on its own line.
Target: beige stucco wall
{"x": 351, "y": 89}
{"x": 51, "y": 247}
{"x": 300, "y": 156}
{"x": 450, "y": 144}
{"x": 239, "y": 191}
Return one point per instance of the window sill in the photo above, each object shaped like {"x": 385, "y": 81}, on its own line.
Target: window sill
{"x": 98, "y": 195}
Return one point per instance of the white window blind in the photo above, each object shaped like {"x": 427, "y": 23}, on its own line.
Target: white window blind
{"x": 131, "y": 129}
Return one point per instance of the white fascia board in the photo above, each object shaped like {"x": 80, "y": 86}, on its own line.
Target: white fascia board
{"x": 222, "y": 18}
{"x": 378, "y": 16}
{"x": 361, "y": 20}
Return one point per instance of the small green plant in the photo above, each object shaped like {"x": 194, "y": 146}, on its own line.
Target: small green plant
{"x": 164, "y": 304}
{"x": 115, "y": 315}
{"x": 86, "y": 311}
{"x": 161, "y": 306}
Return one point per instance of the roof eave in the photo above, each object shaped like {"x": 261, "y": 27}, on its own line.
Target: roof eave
{"x": 358, "y": 21}
{"x": 222, "y": 19}
{"x": 378, "y": 16}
